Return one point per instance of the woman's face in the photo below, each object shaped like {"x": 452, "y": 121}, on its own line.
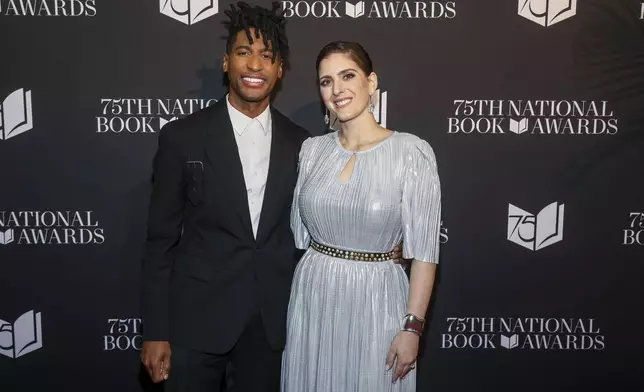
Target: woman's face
{"x": 344, "y": 87}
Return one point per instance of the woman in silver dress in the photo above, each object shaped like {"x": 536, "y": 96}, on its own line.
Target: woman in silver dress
{"x": 354, "y": 318}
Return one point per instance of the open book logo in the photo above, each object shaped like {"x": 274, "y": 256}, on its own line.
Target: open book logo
{"x": 21, "y": 337}
{"x": 510, "y": 342}
{"x": 519, "y": 127}
{"x": 379, "y": 111}
{"x": 163, "y": 121}
{"x": 547, "y": 12}
{"x": 6, "y": 237}
{"x": 536, "y": 232}
{"x": 15, "y": 114}
{"x": 189, "y": 11}
{"x": 354, "y": 11}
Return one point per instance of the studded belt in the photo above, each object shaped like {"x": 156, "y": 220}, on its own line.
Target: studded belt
{"x": 351, "y": 255}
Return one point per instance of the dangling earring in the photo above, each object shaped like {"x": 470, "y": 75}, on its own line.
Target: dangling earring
{"x": 371, "y": 106}
{"x": 326, "y": 116}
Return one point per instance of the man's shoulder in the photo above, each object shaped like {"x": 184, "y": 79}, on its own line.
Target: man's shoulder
{"x": 190, "y": 126}
{"x": 294, "y": 130}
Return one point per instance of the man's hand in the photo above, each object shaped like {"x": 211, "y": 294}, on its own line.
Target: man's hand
{"x": 156, "y": 359}
{"x": 397, "y": 257}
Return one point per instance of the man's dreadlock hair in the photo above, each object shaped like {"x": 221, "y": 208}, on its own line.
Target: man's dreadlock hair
{"x": 270, "y": 23}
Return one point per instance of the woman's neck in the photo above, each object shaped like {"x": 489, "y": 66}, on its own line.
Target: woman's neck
{"x": 362, "y": 130}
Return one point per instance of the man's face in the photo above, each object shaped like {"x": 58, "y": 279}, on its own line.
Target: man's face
{"x": 251, "y": 73}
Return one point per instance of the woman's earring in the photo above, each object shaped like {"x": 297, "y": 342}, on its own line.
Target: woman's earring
{"x": 371, "y": 106}
{"x": 326, "y": 116}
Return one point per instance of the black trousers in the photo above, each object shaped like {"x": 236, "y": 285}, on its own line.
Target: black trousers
{"x": 256, "y": 366}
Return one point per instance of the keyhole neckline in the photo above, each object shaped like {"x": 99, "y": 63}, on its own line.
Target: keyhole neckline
{"x": 336, "y": 136}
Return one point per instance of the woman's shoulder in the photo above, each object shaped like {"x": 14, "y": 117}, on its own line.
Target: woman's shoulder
{"x": 317, "y": 143}
{"x": 412, "y": 144}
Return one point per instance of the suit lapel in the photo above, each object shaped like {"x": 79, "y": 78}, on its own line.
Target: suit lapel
{"x": 223, "y": 154}
{"x": 277, "y": 167}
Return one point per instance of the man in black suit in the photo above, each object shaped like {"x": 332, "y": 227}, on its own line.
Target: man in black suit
{"x": 220, "y": 254}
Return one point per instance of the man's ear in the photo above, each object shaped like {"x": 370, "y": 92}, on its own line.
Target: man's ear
{"x": 225, "y": 63}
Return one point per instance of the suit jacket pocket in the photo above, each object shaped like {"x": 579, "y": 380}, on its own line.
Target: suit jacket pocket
{"x": 194, "y": 182}
{"x": 193, "y": 266}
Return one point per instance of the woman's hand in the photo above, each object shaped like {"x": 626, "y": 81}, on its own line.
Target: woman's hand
{"x": 404, "y": 350}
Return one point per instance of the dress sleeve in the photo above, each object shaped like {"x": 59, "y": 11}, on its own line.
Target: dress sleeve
{"x": 421, "y": 204}
{"x": 300, "y": 233}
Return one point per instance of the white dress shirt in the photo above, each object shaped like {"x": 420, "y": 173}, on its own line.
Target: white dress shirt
{"x": 253, "y": 136}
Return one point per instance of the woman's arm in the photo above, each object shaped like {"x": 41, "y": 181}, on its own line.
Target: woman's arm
{"x": 421, "y": 215}
{"x": 420, "y": 287}
{"x": 404, "y": 348}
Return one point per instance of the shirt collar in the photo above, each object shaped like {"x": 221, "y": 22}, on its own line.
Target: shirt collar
{"x": 241, "y": 121}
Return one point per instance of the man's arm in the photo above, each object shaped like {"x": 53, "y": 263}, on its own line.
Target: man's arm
{"x": 163, "y": 232}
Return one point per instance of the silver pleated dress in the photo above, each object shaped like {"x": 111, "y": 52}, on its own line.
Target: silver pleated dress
{"x": 343, "y": 315}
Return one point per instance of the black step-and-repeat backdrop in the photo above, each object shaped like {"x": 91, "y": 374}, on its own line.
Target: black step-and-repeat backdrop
{"x": 535, "y": 109}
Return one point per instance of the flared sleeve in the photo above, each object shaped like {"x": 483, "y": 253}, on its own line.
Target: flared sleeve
{"x": 421, "y": 204}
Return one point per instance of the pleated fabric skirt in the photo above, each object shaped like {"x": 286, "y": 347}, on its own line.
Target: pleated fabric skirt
{"x": 342, "y": 318}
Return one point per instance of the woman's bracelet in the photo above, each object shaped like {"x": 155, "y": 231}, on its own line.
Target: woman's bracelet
{"x": 411, "y": 323}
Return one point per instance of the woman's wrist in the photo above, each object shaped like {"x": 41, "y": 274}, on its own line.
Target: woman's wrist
{"x": 413, "y": 323}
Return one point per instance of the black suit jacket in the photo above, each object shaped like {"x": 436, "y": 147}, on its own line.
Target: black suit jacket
{"x": 204, "y": 272}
